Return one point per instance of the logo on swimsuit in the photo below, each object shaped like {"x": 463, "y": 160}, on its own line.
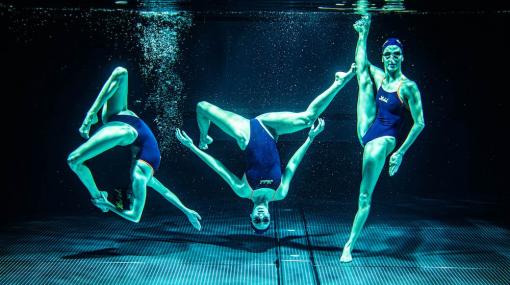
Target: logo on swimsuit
{"x": 266, "y": 181}
{"x": 384, "y": 99}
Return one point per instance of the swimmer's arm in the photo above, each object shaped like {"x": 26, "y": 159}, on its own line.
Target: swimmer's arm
{"x": 193, "y": 216}
{"x": 133, "y": 215}
{"x": 295, "y": 160}
{"x": 412, "y": 95}
{"x": 233, "y": 181}
{"x": 155, "y": 184}
{"x": 291, "y": 168}
{"x": 377, "y": 74}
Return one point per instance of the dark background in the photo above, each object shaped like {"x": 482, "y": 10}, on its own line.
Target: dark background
{"x": 55, "y": 61}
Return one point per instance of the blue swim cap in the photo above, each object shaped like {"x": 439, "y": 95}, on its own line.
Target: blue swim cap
{"x": 393, "y": 42}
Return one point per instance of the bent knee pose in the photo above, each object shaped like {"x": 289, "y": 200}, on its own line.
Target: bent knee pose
{"x": 263, "y": 180}
{"x": 379, "y": 119}
{"x": 122, "y": 127}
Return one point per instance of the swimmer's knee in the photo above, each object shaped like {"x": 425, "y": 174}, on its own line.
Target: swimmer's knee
{"x": 364, "y": 201}
{"x": 203, "y": 105}
{"x": 73, "y": 160}
{"x": 120, "y": 72}
{"x": 370, "y": 160}
{"x": 127, "y": 135}
{"x": 307, "y": 119}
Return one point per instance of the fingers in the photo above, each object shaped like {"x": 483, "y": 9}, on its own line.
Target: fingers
{"x": 194, "y": 219}
{"x": 178, "y": 134}
{"x": 321, "y": 122}
{"x": 320, "y": 125}
{"x": 185, "y": 135}
{"x": 181, "y": 135}
{"x": 394, "y": 166}
{"x": 393, "y": 170}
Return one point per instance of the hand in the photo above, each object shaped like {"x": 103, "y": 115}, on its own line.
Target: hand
{"x": 395, "y": 161}
{"x": 90, "y": 120}
{"x": 315, "y": 130}
{"x": 183, "y": 138}
{"x": 194, "y": 218}
{"x": 362, "y": 25}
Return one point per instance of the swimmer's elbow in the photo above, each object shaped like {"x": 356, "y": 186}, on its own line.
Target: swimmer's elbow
{"x": 420, "y": 125}
{"x": 135, "y": 217}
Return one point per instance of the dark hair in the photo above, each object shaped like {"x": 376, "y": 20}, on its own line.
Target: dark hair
{"x": 258, "y": 231}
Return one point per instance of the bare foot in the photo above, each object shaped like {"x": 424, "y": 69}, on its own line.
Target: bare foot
{"x": 204, "y": 142}
{"x": 362, "y": 25}
{"x": 346, "y": 255}
{"x": 97, "y": 201}
{"x": 341, "y": 77}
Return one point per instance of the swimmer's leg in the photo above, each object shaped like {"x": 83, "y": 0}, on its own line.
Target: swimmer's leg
{"x": 374, "y": 156}
{"x": 104, "y": 139}
{"x": 366, "y": 107}
{"x": 233, "y": 124}
{"x": 280, "y": 123}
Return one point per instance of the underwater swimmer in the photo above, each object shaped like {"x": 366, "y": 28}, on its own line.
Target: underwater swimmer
{"x": 263, "y": 180}
{"x": 122, "y": 127}
{"x": 379, "y": 119}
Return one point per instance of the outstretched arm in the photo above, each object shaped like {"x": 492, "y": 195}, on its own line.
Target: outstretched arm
{"x": 233, "y": 181}
{"x": 109, "y": 88}
{"x": 295, "y": 160}
{"x": 412, "y": 94}
{"x": 140, "y": 176}
{"x": 193, "y": 217}
{"x": 133, "y": 215}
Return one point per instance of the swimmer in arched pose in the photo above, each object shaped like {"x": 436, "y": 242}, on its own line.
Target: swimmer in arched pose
{"x": 263, "y": 180}
{"x": 379, "y": 119}
{"x": 122, "y": 127}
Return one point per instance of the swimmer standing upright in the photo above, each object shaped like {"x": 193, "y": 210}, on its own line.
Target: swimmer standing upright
{"x": 379, "y": 119}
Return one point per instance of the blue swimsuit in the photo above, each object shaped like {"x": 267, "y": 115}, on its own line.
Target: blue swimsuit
{"x": 263, "y": 169}
{"x": 390, "y": 111}
{"x": 149, "y": 150}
